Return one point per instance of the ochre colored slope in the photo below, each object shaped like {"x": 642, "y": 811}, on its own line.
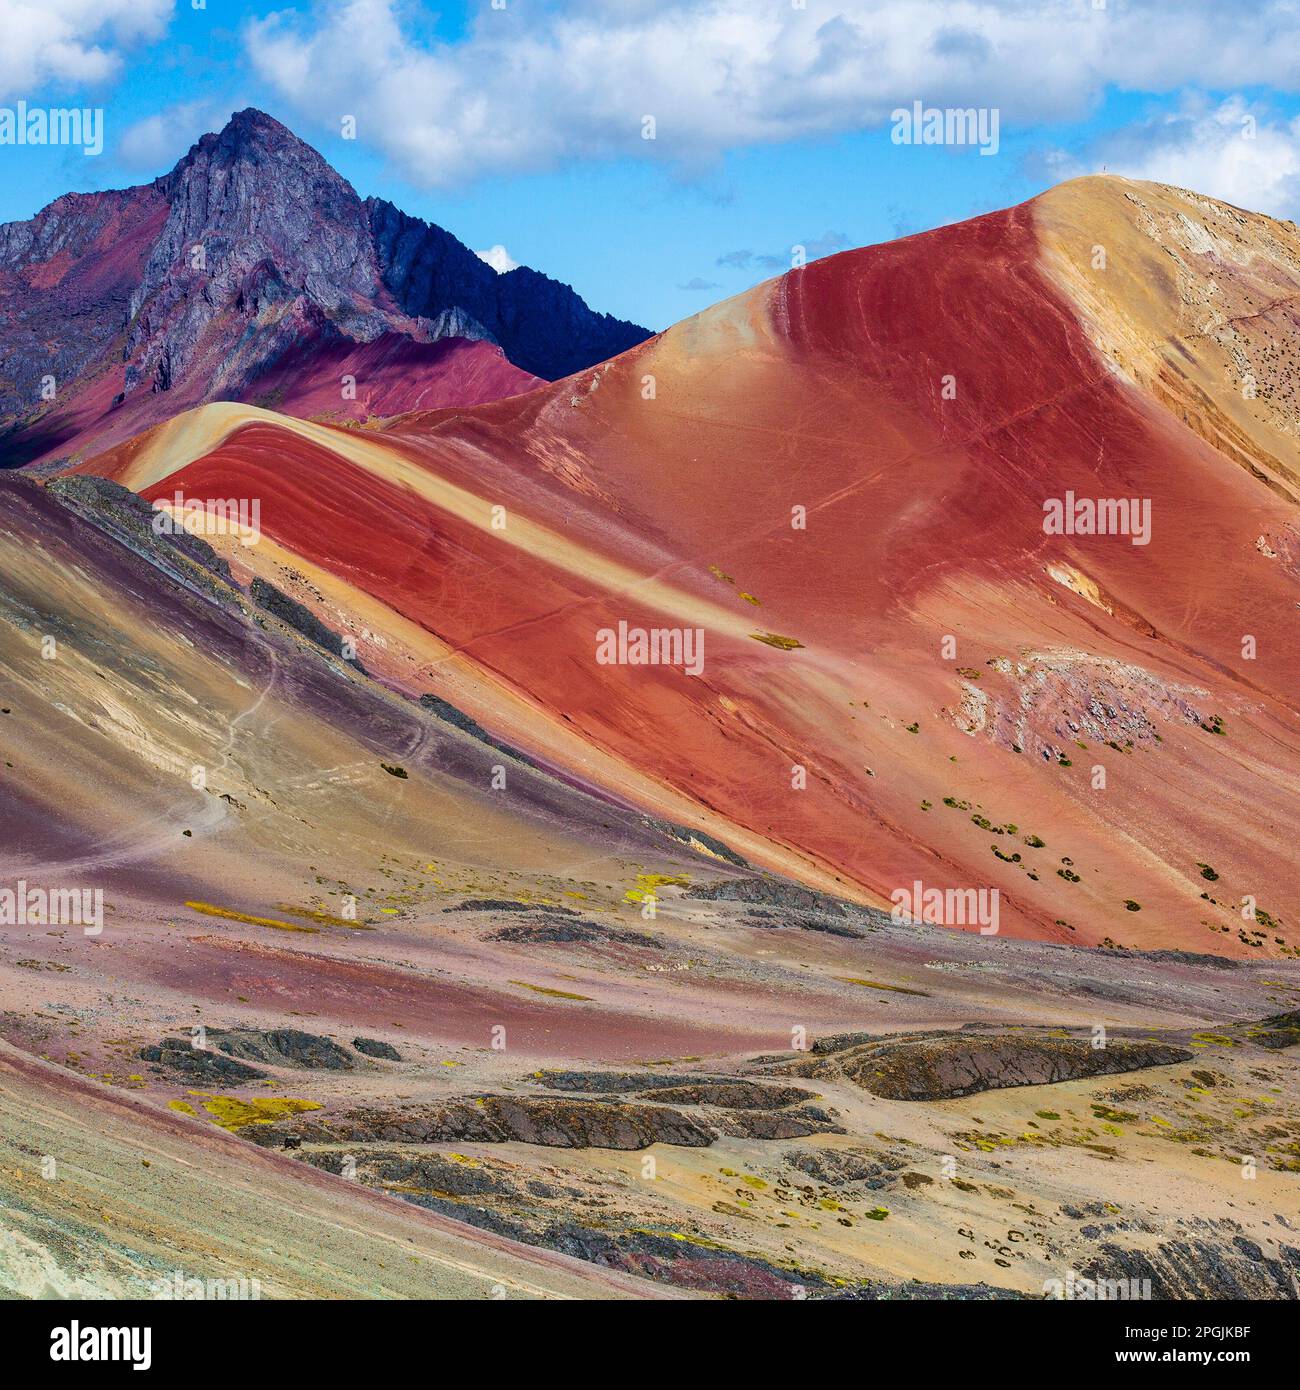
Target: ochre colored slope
{"x": 914, "y": 404}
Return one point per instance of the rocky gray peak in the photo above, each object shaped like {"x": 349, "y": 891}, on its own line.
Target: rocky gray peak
{"x": 258, "y": 223}
{"x": 250, "y": 255}
{"x": 257, "y": 190}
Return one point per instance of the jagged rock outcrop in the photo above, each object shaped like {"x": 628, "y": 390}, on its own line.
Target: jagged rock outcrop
{"x": 259, "y": 228}
{"x": 1194, "y": 1268}
{"x": 299, "y": 617}
{"x": 731, "y": 1106}
{"x": 183, "y": 1060}
{"x": 551, "y": 1121}
{"x": 944, "y": 1065}
{"x": 283, "y": 1047}
{"x": 224, "y": 1054}
{"x": 131, "y": 519}
{"x": 253, "y": 271}
{"x": 1277, "y": 1031}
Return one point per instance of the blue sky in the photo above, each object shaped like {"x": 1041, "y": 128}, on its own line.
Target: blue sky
{"x": 522, "y": 125}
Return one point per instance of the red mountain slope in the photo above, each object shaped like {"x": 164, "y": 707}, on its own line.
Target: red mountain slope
{"x": 841, "y": 478}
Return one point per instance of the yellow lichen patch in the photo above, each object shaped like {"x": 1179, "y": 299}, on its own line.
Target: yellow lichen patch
{"x": 690, "y": 1239}
{"x": 212, "y": 911}
{"x": 316, "y": 914}
{"x": 183, "y": 1106}
{"x": 647, "y": 884}
{"x": 774, "y": 639}
{"x": 749, "y": 598}
{"x": 232, "y": 1113}
{"x": 871, "y": 984}
{"x": 554, "y": 993}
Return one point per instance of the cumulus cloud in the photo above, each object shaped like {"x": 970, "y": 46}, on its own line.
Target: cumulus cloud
{"x": 697, "y": 283}
{"x": 1230, "y": 150}
{"x": 533, "y": 87}
{"x": 72, "y": 43}
{"x": 498, "y": 258}
{"x": 158, "y": 141}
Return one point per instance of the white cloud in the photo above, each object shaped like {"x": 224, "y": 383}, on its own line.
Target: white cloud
{"x": 71, "y": 44}
{"x": 531, "y": 88}
{"x": 498, "y": 258}
{"x": 158, "y": 141}
{"x": 1230, "y": 150}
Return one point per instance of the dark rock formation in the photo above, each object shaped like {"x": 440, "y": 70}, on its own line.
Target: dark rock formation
{"x": 549, "y": 1121}
{"x": 1210, "y": 962}
{"x": 375, "y": 1047}
{"x": 412, "y": 1173}
{"x": 696, "y": 840}
{"x": 771, "y": 892}
{"x": 776, "y": 903}
{"x": 1196, "y": 1269}
{"x": 685, "y": 1264}
{"x": 541, "y": 324}
{"x": 299, "y": 617}
{"x": 940, "y": 1066}
{"x": 920, "y": 1291}
{"x": 505, "y": 905}
{"x": 258, "y": 225}
{"x": 543, "y": 1215}
{"x": 1277, "y": 1031}
{"x": 573, "y": 931}
{"x": 739, "y": 1095}
{"x": 449, "y": 714}
{"x": 283, "y": 1047}
{"x": 831, "y": 924}
{"x": 615, "y": 1082}
{"x": 177, "y": 1057}
{"x": 129, "y": 518}
{"x": 732, "y": 1106}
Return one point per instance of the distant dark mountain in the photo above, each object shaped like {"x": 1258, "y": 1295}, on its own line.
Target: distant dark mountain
{"x": 254, "y": 272}
{"x": 543, "y": 326}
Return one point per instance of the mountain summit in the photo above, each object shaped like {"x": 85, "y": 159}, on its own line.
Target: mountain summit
{"x": 254, "y": 272}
